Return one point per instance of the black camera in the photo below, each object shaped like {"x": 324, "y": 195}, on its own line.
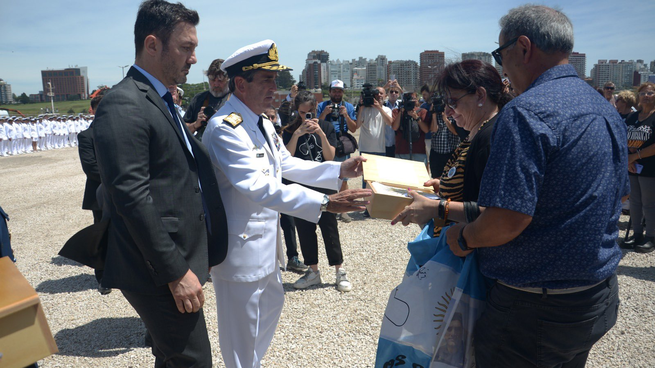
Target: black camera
{"x": 408, "y": 101}
{"x": 369, "y": 94}
{"x": 334, "y": 115}
{"x": 209, "y": 112}
{"x": 438, "y": 105}
{"x": 309, "y": 116}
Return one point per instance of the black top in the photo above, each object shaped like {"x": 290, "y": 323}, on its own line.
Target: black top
{"x": 309, "y": 146}
{"x": 640, "y": 136}
{"x": 478, "y": 155}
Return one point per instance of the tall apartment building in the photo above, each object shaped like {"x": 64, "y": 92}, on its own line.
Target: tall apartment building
{"x": 316, "y": 69}
{"x": 432, "y": 63}
{"x": 478, "y": 55}
{"x": 579, "y": 61}
{"x": 406, "y": 73}
{"x": 6, "y": 97}
{"x": 359, "y": 77}
{"x": 381, "y": 63}
{"x": 66, "y": 83}
{"x": 372, "y": 73}
{"x": 341, "y": 70}
{"x": 621, "y": 73}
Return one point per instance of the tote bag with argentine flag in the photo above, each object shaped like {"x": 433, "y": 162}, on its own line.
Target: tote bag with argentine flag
{"x": 430, "y": 316}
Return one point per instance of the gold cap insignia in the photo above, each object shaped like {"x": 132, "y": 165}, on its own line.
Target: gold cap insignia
{"x": 272, "y": 53}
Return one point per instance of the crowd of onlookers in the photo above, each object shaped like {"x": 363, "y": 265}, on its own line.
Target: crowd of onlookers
{"x": 20, "y": 135}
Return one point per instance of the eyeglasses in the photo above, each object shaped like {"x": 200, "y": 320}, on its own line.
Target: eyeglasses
{"x": 649, "y": 93}
{"x": 390, "y": 92}
{"x": 496, "y": 52}
{"x": 218, "y": 77}
{"x": 611, "y": 88}
{"x": 452, "y": 102}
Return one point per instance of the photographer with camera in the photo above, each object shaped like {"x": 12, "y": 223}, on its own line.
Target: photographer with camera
{"x": 444, "y": 139}
{"x": 372, "y": 118}
{"x": 410, "y": 126}
{"x": 205, "y": 104}
{"x": 312, "y": 139}
{"x": 342, "y": 115}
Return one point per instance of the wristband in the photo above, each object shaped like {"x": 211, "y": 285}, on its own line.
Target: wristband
{"x": 462, "y": 241}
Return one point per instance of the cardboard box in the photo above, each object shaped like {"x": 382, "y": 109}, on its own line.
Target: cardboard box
{"x": 389, "y": 178}
{"x": 25, "y": 336}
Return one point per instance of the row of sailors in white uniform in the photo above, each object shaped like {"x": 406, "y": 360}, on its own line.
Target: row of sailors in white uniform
{"x": 20, "y": 135}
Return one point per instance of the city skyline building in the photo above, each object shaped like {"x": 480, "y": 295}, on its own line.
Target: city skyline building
{"x": 69, "y": 83}
{"x": 406, "y": 72}
{"x": 6, "y": 96}
{"x": 316, "y": 71}
{"x": 478, "y": 55}
{"x": 432, "y": 63}
{"x": 579, "y": 61}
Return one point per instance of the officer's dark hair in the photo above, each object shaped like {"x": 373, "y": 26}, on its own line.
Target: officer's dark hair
{"x": 425, "y": 88}
{"x": 95, "y": 102}
{"x": 249, "y": 76}
{"x": 159, "y": 18}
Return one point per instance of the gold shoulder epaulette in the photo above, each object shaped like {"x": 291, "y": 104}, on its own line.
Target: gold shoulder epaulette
{"x": 234, "y": 119}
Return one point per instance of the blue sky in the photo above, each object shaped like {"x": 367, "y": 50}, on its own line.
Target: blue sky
{"x": 40, "y": 34}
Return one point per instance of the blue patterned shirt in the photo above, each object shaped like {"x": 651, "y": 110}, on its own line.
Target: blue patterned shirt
{"x": 558, "y": 154}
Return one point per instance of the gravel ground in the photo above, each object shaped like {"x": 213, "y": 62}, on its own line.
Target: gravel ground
{"x": 319, "y": 327}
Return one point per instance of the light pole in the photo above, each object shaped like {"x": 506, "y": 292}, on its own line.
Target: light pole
{"x": 123, "y": 69}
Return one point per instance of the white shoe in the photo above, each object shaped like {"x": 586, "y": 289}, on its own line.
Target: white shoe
{"x": 308, "y": 279}
{"x": 342, "y": 281}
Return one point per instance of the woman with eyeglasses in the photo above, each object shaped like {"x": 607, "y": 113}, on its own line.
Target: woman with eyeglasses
{"x": 641, "y": 165}
{"x": 474, "y": 93}
{"x": 608, "y": 92}
{"x": 312, "y": 139}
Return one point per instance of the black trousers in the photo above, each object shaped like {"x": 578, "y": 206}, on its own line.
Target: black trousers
{"x": 178, "y": 339}
{"x": 288, "y": 226}
{"x": 309, "y": 241}
{"x": 520, "y": 329}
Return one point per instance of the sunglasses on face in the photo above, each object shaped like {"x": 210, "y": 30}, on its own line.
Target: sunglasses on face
{"x": 649, "y": 93}
{"x": 452, "y": 102}
{"x": 390, "y": 92}
{"x": 610, "y": 88}
{"x": 496, "y": 52}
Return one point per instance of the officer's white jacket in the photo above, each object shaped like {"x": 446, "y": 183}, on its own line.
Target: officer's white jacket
{"x": 249, "y": 177}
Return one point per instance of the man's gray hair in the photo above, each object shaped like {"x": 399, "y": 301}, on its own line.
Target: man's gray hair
{"x": 549, "y": 29}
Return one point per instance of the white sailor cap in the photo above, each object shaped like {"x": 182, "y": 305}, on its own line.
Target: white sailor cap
{"x": 258, "y": 56}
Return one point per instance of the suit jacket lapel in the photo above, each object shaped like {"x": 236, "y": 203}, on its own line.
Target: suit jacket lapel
{"x": 151, "y": 95}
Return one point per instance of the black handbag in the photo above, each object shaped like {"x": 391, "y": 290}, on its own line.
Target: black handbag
{"x": 346, "y": 143}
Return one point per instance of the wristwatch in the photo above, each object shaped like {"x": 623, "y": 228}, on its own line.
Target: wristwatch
{"x": 324, "y": 203}
{"x": 462, "y": 242}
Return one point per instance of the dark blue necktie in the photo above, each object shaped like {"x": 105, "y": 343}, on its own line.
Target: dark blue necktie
{"x": 171, "y": 107}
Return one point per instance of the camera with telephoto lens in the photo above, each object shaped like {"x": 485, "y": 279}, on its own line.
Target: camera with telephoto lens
{"x": 408, "y": 101}
{"x": 334, "y": 115}
{"x": 438, "y": 104}
{"x": 369, "y": 94}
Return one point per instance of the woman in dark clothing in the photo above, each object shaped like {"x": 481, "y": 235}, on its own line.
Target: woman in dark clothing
{"x": 474, "y": 94}
{"x": 311, "y": 139}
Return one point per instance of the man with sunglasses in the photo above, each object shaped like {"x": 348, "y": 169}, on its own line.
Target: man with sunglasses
{"x": 552, "y": 191}
{"x": 216, "y": 97}
{"x": 608, "y": 92}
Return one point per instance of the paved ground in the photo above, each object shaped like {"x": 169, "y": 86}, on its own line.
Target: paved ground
{"x": 320, "y": 327}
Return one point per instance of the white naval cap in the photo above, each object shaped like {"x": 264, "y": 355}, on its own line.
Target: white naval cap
{"x": 258, "y": 56}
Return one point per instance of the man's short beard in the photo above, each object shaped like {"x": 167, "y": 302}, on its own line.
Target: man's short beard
{"x": 335, "y": 101}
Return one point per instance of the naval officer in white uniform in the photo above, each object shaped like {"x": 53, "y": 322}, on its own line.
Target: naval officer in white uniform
{"x": 250, "y": 161}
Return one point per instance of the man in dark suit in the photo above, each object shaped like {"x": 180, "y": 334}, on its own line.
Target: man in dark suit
{"x": 87, "y": 153}
{"x": 168, "y": 223}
